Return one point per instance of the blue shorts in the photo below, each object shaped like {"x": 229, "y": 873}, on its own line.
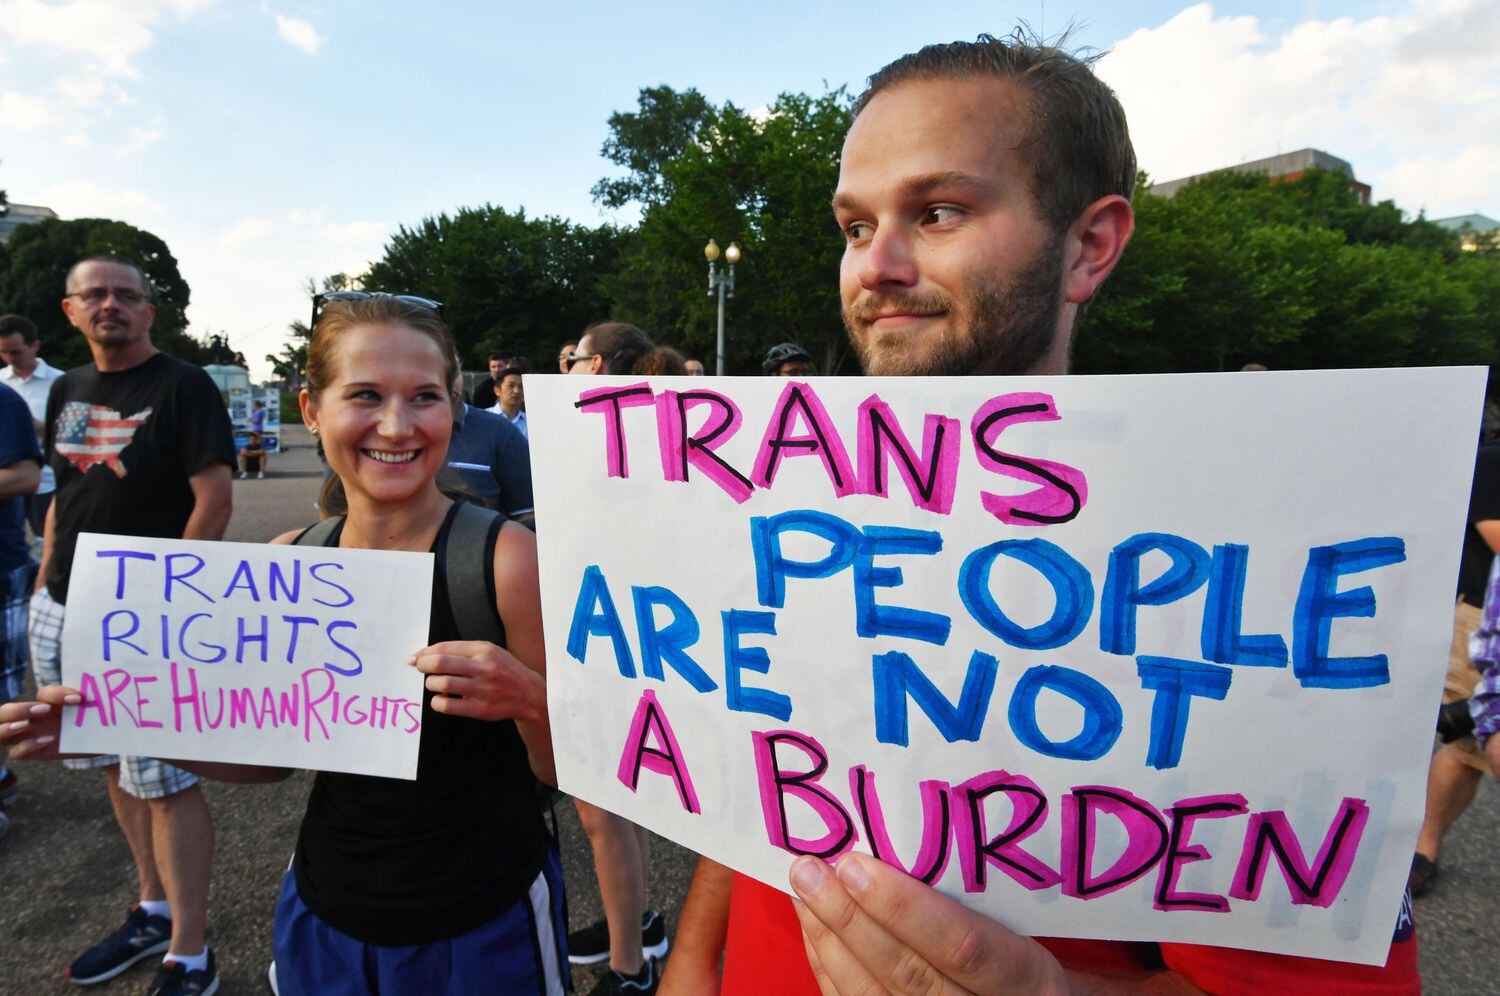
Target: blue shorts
{"x": 523, "y": 950}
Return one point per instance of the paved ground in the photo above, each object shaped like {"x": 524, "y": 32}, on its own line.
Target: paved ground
{"x": 68, "y": 878}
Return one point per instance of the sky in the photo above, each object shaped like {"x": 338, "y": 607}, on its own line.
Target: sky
{"x": 269, "y": 143}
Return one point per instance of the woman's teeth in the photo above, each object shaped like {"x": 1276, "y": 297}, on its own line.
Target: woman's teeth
{"x": 384, "y": 457}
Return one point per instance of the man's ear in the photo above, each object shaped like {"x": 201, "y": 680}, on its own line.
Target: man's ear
{"x": 1094, "y": 244}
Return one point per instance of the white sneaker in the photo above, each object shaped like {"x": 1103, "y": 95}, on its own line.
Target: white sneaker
{"x": 271, "y": 978}
{"x": 244, "y": 474}
{"x": 260, "y": 475}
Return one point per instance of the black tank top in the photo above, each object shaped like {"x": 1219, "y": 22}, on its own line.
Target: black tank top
{"x": 393, "y": 862}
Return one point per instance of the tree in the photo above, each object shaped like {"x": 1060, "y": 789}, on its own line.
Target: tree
{"x": 646, "y": 140}
{"x": 35, "y": 265}
{"x": 1292, "y": 274}
{"x": 763, "y": 181}
{"x": 504, "y": 279}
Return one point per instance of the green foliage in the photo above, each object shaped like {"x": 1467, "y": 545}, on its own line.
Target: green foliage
{"x": 36, "y": 262}
{"x": 701, "y": 171}
{"x": 1298, "y": 274}
{"x": 504, "y": 279}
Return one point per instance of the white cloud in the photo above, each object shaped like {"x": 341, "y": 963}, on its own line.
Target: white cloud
{"x": 299, "y": 34}
{"x": 22, "y": 112}
{"x": 245, "y": 230}
{"x": 81, "y": 88}
{"x": 1458, "y": 182}
{"x": 84, "y": 199}
{"x": 109, "y": 33}
{"x": 140, "y": 138}
{"x": 1401, "y": 96}
{"x": 247, "y": 277}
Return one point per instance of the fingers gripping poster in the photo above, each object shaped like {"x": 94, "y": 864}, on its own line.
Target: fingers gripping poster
{"x": 287, "y": 656}
{"x": 1150, "y": 658}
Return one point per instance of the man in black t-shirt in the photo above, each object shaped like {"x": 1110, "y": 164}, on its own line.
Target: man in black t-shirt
{"x": 142, "y": 446}
{"x": 1457, "y": 767}
{"x": 485, "y": 396}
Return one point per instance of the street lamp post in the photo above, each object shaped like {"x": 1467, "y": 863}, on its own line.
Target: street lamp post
{"x": 723, "y": 282}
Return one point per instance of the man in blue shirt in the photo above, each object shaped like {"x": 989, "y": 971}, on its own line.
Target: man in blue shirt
{"x": 20, "y": 470}
{"x": 489, "y": 459}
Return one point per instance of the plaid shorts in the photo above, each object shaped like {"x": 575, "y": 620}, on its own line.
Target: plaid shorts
{"x": 142, "y": 777}
{"x": 15, "y": 588}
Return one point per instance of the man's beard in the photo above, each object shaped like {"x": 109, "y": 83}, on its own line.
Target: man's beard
{"x": 999, "y": 328}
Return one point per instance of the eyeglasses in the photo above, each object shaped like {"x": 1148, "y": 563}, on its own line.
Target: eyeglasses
{"x": 575, "y": 358}
{"x": 93, "y": 297}
{"x": 319, "y": 300}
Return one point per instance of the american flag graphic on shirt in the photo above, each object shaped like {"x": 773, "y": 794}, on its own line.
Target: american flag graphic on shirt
{"x": 92, "y": 434}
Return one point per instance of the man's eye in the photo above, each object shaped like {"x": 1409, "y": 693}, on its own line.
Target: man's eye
{"x": 938, "y": 215}
{"x": 857, "y": 230}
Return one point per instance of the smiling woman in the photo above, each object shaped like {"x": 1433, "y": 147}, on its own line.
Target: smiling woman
{"x": 377, "y": 395}
{"x": 449, "y": 882}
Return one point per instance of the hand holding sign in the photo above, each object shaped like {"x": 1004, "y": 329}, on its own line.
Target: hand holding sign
{"x": 871, "y": 928}
{"x": 480, "y": 681}
{"x": 30, "y": 729}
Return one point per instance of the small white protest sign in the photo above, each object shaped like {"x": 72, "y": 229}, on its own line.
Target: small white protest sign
{"x": 1135, "y": 658}
{"x": 289, "y": 656}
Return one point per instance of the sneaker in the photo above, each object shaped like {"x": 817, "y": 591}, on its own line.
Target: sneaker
{"x": 271, "y": 979}
{"x": 612, "y": 983}
{"x": 173, "y": 979}
{"x": 243, "y": 475}
{"x": 1424, "y": 871}
{"x": 10, "y": 788}
{"x": 654, "y": 934}
{"x": 260, "y": 476}
{"x": 590, "y": 945}
{"x": 141, "y": 936}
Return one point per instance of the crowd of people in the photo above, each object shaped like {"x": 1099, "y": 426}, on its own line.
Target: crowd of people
{"x": 984, "y": 195}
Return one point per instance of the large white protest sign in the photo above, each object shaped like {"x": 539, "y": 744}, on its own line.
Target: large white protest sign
{"x": 254, "y": 653}
{"x": 1148, "y": 658}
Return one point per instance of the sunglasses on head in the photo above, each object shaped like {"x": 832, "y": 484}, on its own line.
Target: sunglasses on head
{"x": 319, "y": 300}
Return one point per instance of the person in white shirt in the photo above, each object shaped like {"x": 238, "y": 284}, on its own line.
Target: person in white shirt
{"x": 512, "y": 403}
{"x": 31, "y": 377}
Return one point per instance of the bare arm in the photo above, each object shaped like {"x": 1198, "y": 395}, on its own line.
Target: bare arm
{"x": 702, "y": 928}
{"x": 20, "y": 478}
{"x": 1489, "y": 531}
{"x": 212, "y": 503}
{"x": 518, "y": 596}
{"x": 482, "y": 681}
{"x": 49, "y": 529}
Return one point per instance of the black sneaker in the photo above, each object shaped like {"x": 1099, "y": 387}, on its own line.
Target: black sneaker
{"x": 644, "y": 983}
{"x": 141, "y": 936}
{"x": 1424, "y": 871}
{"x": 590, "y": 945}
{"x": 653, "y": 934}
{"x": 173, "y": 979}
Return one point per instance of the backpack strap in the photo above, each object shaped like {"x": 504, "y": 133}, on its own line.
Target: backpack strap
{"x": 319, "y": 533}
{"x": 467, "y": 561}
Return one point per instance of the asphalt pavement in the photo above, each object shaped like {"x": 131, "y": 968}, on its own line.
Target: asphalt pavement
{"x": 68, "y": 879}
